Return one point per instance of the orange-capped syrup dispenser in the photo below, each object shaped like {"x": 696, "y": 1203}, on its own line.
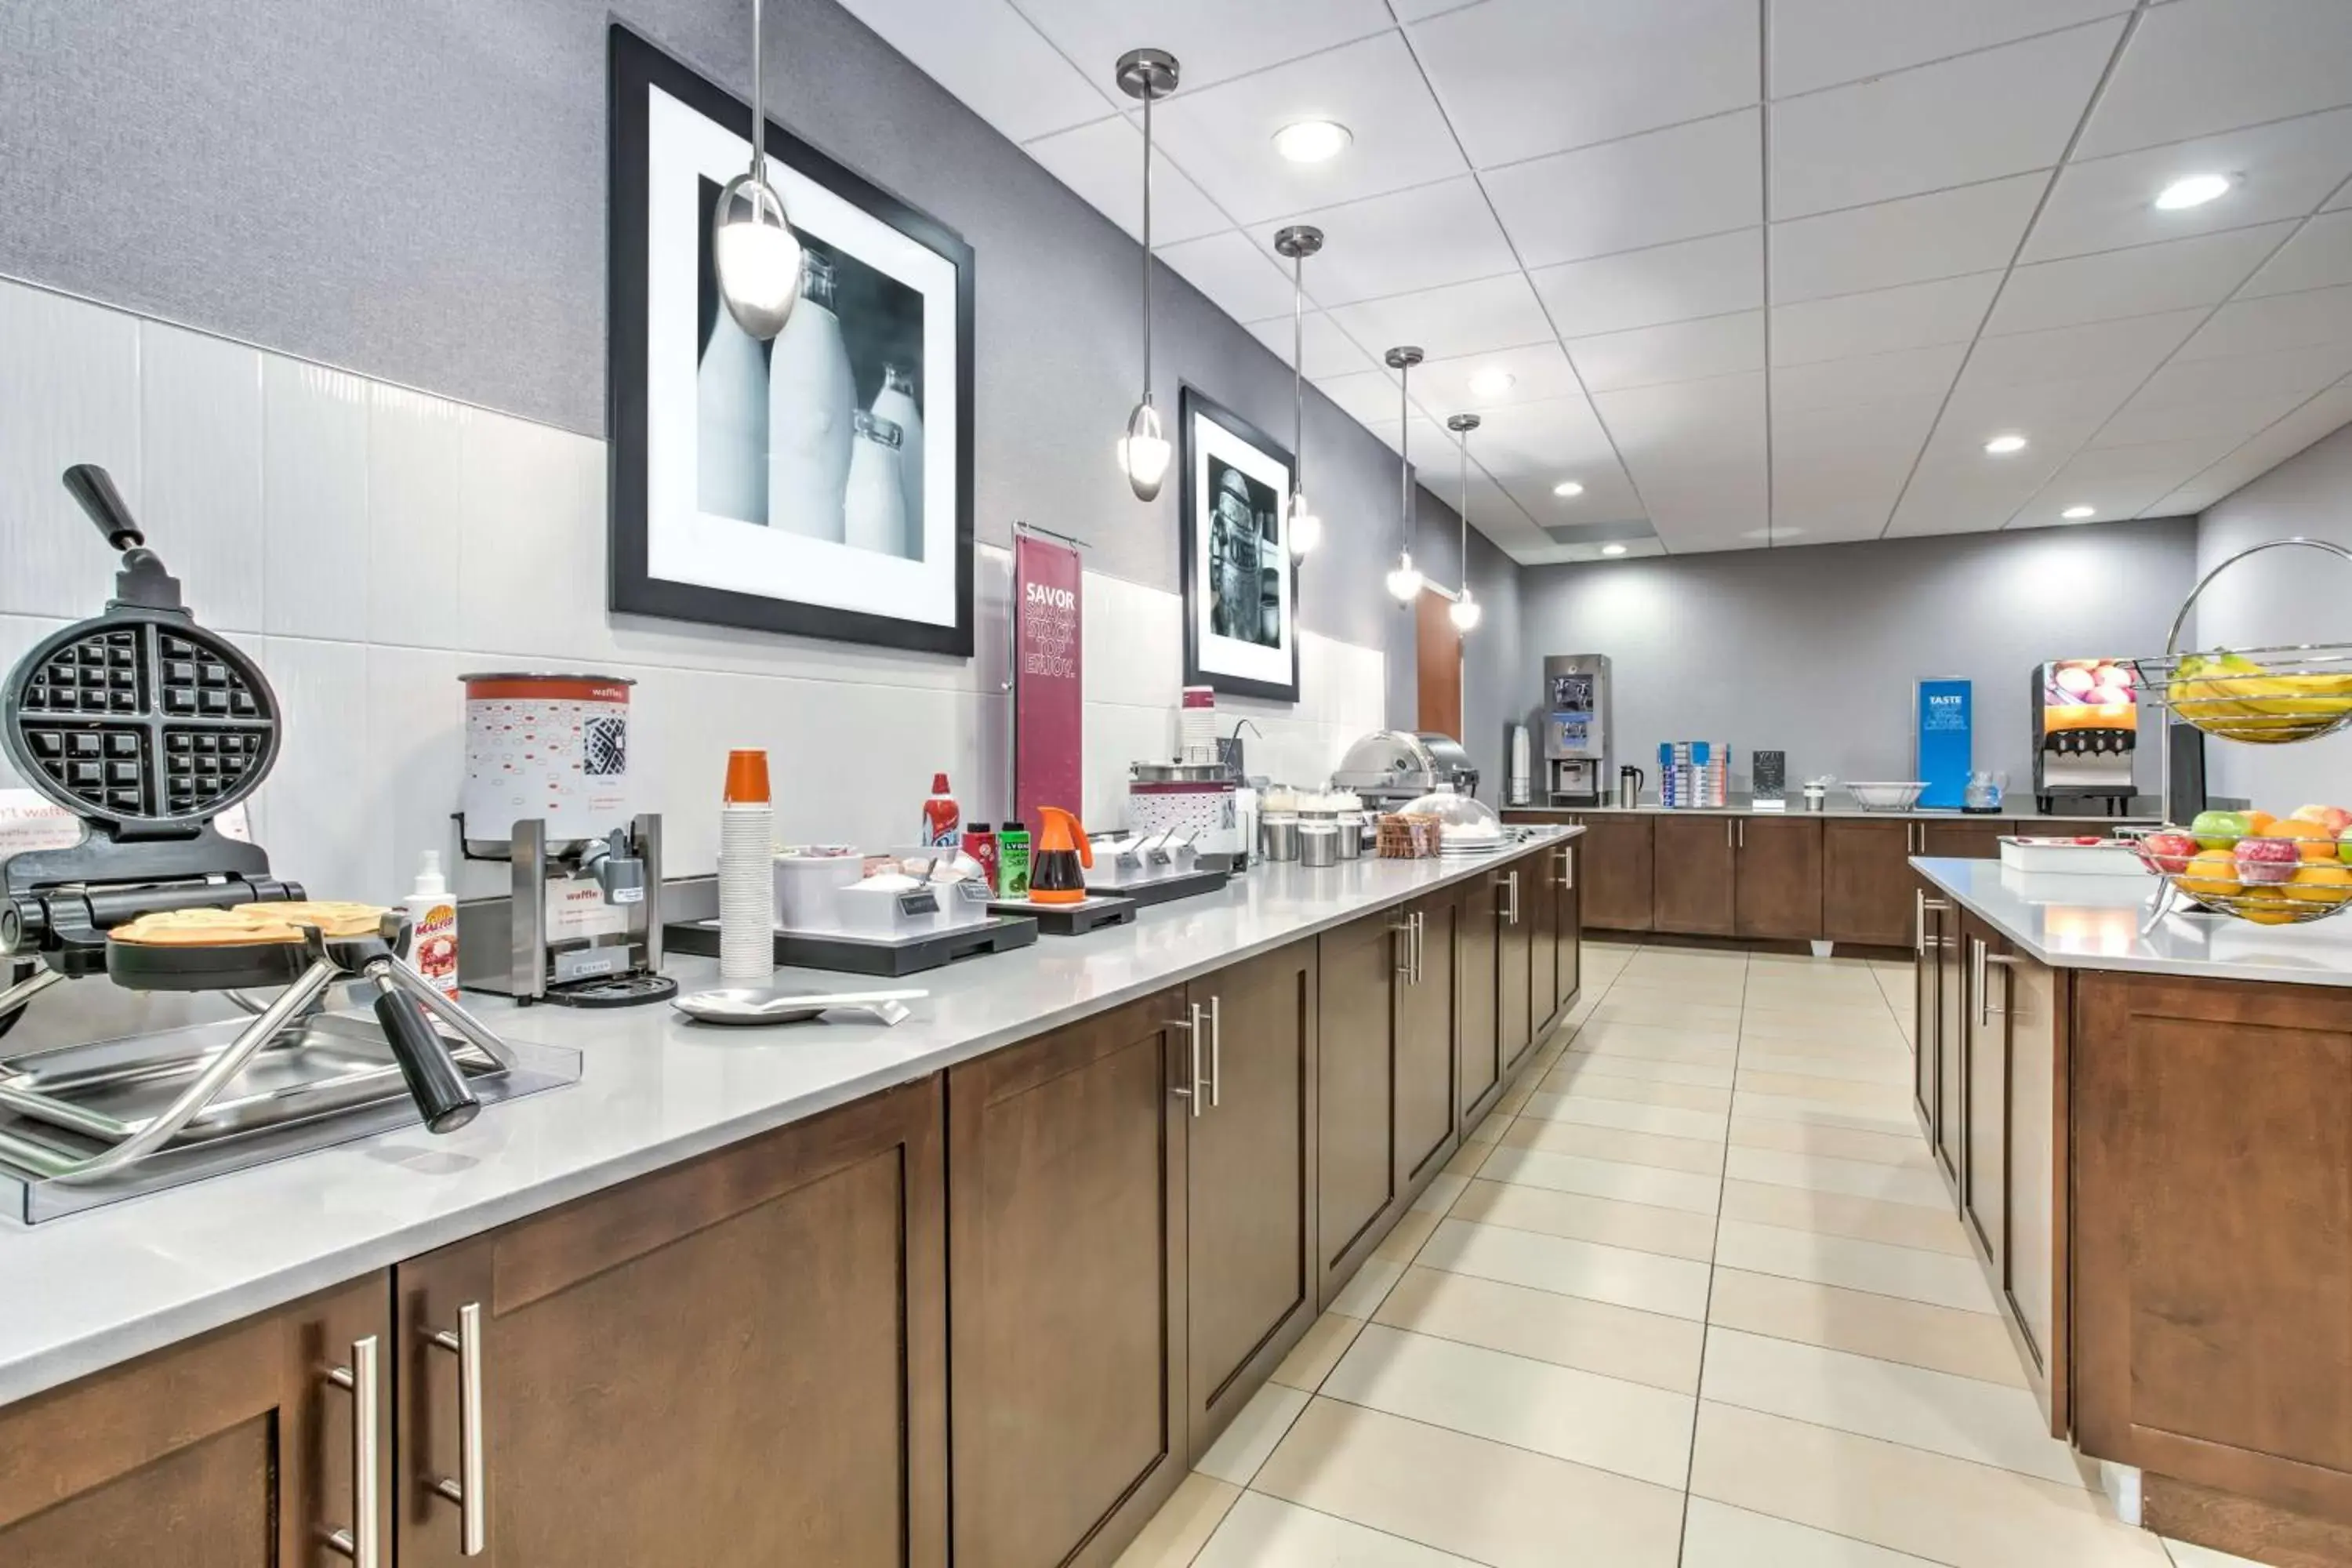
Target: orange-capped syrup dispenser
{"x": 1055, "y": 876}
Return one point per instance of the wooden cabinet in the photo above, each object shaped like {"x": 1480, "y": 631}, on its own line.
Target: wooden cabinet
{"x": 1694, "y": 877}
{"x": 1930, "y": 910}
{"x": 742, "y": 1358}
{"x": 1952, "y": 1004}
{"x": 1984, "y": 1093}
{"x": 1067, "y": 1178}
{"x": 234, "y": 1450}
{"x": 1540, "y": 875}
{"x": 1777, "y": 886}
{"x": 1514, "y": 961}
{"x": 1357, "y": 1087}
{"x": 1424, "y": 1045}
{"x": 1957, "y": 839}
{"x": 1615, "y": 861}
{"x": 1867, "y": 881}
{"x": 2031, "y": 1277}
{"x": 1250, "y": 1271}
{"x": 1561, "y": 871}
{"x": 1476, "y": 1034}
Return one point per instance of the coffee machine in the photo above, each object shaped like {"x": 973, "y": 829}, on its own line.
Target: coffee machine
{"x": 1575, "y": 724}
{"x": 582, "y": 922}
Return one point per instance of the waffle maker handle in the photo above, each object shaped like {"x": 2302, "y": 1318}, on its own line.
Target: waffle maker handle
{"x": 142, "y": 580}
{"x": 434, "y": 1080}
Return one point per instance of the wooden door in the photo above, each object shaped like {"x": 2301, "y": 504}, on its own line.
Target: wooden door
{"x": 740, "y": 1359}
{"x": 1984, "y": 1104}
{"x": 1694, "y": 875}
{"x": 1514, "y": 961}
{"x": 1067, "y": 1224}
{"x": 1477, "y": 1030}
{"x": 1437, "y": 648}
{"x": 231, "y": 1450}
{"x": 1424, "y": 1048}
{"x": 1569, "y": 924}
{"x": 1250, "y": 1271}
{"x": 1356, "y": 1098}
{"x": 2212, "y": 1240}
{"x": 1867, "y": 881}
{"x": 1777, "y": 889}
{"x": 1954, "y": 839}
{"x": 1616, "y": 869}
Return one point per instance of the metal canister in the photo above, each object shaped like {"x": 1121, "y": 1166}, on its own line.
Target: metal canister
{"x": 1319, "y": 844}
{"x": 1352, "y": 834}
{"x": 1277, "y": 838}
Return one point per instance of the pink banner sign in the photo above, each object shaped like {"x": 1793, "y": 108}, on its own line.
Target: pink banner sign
{"x": 1048, "y": 685}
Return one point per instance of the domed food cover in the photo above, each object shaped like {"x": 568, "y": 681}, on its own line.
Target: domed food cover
{"x": 1462, "y": 818}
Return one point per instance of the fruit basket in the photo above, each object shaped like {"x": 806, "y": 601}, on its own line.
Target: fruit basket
{"x": 2268, "y": 696}
{"x": 2268, "y": 871}
{"x": 1884, "y": 796}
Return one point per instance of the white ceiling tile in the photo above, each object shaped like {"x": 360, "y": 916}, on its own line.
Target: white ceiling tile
{"x": 1528, "y": 439}
{"x": 1104, "y": 163}
{"x": 1883, "y": 320}
{"x": 2299, "y": 371}
{"x": 1521, "y": 78}
{"x": 1679, "y": 351}
{"x": 2232, "y": 421}
{"x": 1840, "y": 470}
{"x": 1223, "y": 136}
{"x": 2117, "y": 481}
{"x": 2282, "y": 170}
{"x": 2274, "y": 324}
{"x": 1976, "y": 118}
{"x": 1677, "y": 282}
{"x": 1402, "y": 243}
{"x": 987, "y": 55}
{"x": 2201, "y": 66}
{"x": 2141, "y": 281}
{"x": 2055, "y": 417}
{"x": 1696, "y": 450}
{"x": 1212, "y": 39}
{"x": 1678, "y": 184}
{"x": 2315, "y": 420}
{"x": 2129, "y": 349}
{"x": 1953, "y": 494}
{"x": 1609, "y": 496}
{"x": 1368, "y": 397}
{"x": 1818, "y": 43}
{"x": 1459, "y": 319}
{"x": 1915, "y": 239}
{"x": 1238, "y": 277}
{"x": 1539, "y": 371}
{"x": 2318, "y": 257}
{"x": 1870, "y": 378}
{"x": 1329, "y": 351}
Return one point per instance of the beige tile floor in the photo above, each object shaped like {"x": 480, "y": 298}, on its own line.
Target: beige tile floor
{"x": 1694, "y": 1295}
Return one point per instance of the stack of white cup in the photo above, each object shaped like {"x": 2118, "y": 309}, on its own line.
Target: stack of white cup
{"x": 747, "y": 880}
{"x": 1196, "y": 731}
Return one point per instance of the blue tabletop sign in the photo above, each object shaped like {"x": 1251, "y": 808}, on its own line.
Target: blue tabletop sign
{"x": 1942, "y": 747}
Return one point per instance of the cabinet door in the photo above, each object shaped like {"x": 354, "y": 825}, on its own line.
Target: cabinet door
{"x": 1568, "y": 925}
{"x": 1692, "y": 880}
{"x": 1514, "y": 962}
{"x": 1067, "y": 1249}
{"x": 1250, "y": 1259}
{"x": 1424, "y": 1046}
{"x": 1356, "y": 1080}
{"x": 233, "y": 1450}
{"x": 1867, "y": 881}
{"x": 1930, "y": 910}
{"x": 2034, "y": 1280}
{"x": 1984, "y": 1105}
{"x": 1954, "y": 840}
{"x": 1476, "y": 1032}
{"x": 1617, "y": 870}
{"x": 1539, "y": 880}
{"x": 1952, "y": 1001}
{"x": 1778, "y": 890}
{"x": 738, "y": 1359}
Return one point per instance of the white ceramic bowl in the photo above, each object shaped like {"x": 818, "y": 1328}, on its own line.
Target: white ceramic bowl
{"x": 1883, "y": 796}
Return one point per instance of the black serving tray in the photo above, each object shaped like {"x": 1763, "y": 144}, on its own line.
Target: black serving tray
{"x": 1164, "y": 889}
{"x": 852, "y": 955}
{"x": 1098, "y": 911}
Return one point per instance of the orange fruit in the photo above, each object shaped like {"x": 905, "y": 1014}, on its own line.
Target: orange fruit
{"x": 2321, "y": 884}
{"x": 2266, "y": 912}
{"x": 2213, "y": 871}
{"x": 2258, "y": 821}
{"x": 2318, "y": 843}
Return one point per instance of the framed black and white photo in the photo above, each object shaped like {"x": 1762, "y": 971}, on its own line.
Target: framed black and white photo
{"x": 820, "y": 484}
{"x": 1241, "y": 624}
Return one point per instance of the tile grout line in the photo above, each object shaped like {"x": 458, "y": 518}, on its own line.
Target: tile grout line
{"x": 1706, "y": 1318}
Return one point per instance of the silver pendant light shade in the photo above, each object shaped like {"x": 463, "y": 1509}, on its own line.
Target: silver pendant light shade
{"x": 1143, "y": 450}
{"x": 1298, "y": 242}
{"x": 1404, "y": 577}
{"x": 752, "y": 248}
{"x": 1465, "y": 610}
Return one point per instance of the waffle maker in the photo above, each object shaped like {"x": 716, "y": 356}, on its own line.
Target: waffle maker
{"x": 148, "y": 726}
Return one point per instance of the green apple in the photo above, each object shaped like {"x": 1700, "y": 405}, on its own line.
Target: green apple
{"x": 2344, "y": 845}
{"x": 2220, "y": 830}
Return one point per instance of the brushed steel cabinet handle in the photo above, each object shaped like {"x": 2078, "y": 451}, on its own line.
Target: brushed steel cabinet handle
{"x": 1403, "y": 929}
{"x": 1739, "y": 826}
{"x": 1216, "y": 1052}
{"x": 470, "y": 1488}
{"x": 1982, "y": 958}
{"x": 1194, "y": 1083}
{"x": 1925, "y": 903}
{"x": 1512, "y": 915}
{"x": 1730, "y": 840}
{"x": 1420, "y": 938}
{"x": 360, "y": 1543}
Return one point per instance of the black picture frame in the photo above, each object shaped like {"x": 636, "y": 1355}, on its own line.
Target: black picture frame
{"x": 1200, "y": 668}
{"x": 634, "y": 66}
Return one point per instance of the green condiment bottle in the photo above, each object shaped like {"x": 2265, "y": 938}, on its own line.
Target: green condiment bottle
{"x": 1012, "y": 861}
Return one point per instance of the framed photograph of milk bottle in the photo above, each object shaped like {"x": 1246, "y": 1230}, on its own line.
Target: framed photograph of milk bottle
{"x": 1240, "y": 623}
{"x": 818, "y": 484}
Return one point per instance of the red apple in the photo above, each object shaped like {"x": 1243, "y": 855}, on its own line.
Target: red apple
{"x": 2167, "y": 852}
{"x": 2334, "y": 818}
{"x": 2268, "y": 859}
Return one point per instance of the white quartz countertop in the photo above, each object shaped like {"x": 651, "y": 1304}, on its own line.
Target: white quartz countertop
{"x": 85, "y": 1292}
{"x": 2094, "y": 922}
{"x": 1796, "y": 808}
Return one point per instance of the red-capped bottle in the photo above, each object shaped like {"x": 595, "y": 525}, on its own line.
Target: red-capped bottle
{"x": 942, "y": 819}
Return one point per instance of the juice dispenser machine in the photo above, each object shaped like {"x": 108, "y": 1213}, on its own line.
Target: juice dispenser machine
{"x": 1575, "y": 724}
{"x": 2085, "y": 729}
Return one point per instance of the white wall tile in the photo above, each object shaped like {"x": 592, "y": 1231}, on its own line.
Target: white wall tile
{"x": 313, "y": 499}
{"x": 200, "y": 464}
{"x": 414, "y": 507}
{"x": 68, "y": 394}
{"x": 324, "y": 814}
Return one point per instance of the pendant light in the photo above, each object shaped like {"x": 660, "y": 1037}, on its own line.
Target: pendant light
{"x": 1465, "y": 610}
{"x": 1404, "y": 577}
{"x": 753, "y": 248}
{"x": 1298, "y": 242}
{"x": 1143, "y": 451}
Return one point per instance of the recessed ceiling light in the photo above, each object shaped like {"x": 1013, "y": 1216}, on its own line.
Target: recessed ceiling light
{"x": 2003, "y": 445}
{"x": 2193, "y": 192}
{"x": 1312, "y": 141}
{"x": 1568, "y": 489}
{"x": 2077, "y": 513}
{"x": 1612, "y": 550}
{"x": 1492, "y": 382}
